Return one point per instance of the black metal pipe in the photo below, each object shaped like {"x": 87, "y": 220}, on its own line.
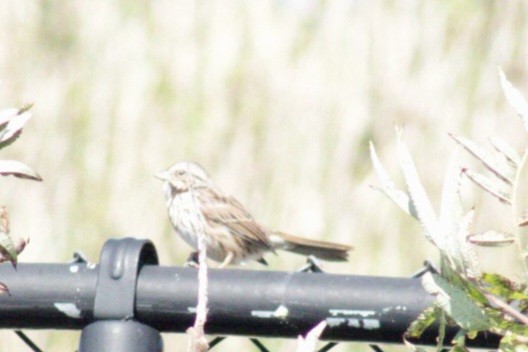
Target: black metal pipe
{"x": 241, "y": 302}
{"x": 282, "y": 304}
{"x": 48, "y": 296}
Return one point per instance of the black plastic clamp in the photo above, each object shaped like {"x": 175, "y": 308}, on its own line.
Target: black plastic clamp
{"x": 115, "y": 328}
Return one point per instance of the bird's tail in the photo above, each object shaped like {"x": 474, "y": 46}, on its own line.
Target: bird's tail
{"x": 321, "y": 249}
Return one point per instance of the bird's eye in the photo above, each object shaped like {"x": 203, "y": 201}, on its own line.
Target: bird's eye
{"x": 181, "y": 172}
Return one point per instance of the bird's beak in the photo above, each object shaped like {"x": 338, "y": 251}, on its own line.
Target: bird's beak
{"x": 162, "y": 175}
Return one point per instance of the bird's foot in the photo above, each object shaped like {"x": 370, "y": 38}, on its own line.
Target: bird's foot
{"x": 192, "y": 260}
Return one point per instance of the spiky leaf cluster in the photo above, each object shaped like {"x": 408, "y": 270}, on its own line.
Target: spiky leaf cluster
{"x": 12, "y": 121}
{"x": 464, "y": 295}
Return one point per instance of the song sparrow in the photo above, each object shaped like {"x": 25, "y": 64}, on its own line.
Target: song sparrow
{"x": 232, "y": 235}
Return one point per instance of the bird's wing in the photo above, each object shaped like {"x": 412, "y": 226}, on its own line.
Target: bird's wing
{"x": 229, "y": 212}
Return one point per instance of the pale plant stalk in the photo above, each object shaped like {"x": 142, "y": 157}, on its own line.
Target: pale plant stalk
{"x": 506, "y": 308}
{"x": 308, "y": 343}
{"x": 198, "y": 342}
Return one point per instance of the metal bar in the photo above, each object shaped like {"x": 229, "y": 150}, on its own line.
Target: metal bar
{"x": 284, "y": 304}
{"x": 376, "y": 348}
{"x": 241, "y": 302}
{"x": 259, "y": 345}
{"x": 48, "y": 296}
{"x": 216, "y": 341}
{"x": 33, "y": 346}
{"x": 327, "y": 347}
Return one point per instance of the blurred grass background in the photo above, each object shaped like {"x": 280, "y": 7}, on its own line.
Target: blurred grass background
{"x": 277, "y": 99}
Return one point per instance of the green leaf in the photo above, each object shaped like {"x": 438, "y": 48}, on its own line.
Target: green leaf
{"x": 13, "y": 129}
{"x": 505, "y": 149}
{"x": 509, "y": 326}
{"x": 7, "y": 248}
{"x": 456, "y": 303}
{"x": 426, "y": 318}
{"x": 515, "y": 98}
{"x": 456, "y": 279}
{"x": 6, "y": 115}
{"x": 441, "y": 331}
{"x": 25, "y": 108}
{"x": 470, "y": 263}
{"x": 413, "y": 347}
{"x": 424, "y": 210}
{"x": 503, "y": 287}
{"x": 507, "y": 343}
{"x": 520, "y": 208}
{"x": 18, "y": 169}
{"x": 10, "y": 140}
{"x": 471, "y": 334}
{"x": 510, "y": 343}
{"x": 459, "y": 349}
{"x": 460, "y": 338}
{"x": 451, "y": 205}
{"x": 492, "y": 187}
{"x": 399, "y": 197}
{"x": 491, "y": 239}
{"x": 451, "y": 213}
{"x": 497, "y": 164}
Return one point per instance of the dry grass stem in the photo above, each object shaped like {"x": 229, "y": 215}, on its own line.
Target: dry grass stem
{"x": 198, "y": 341}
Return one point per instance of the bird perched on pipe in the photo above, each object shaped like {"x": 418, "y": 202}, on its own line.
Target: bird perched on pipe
{"x": 232, "y": 235}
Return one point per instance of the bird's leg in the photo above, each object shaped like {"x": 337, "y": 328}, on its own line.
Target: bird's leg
{"x": 192, "y": 260}
{"x": 227, "y": 260}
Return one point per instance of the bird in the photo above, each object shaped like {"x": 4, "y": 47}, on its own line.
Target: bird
{"x": 232, "y": 235}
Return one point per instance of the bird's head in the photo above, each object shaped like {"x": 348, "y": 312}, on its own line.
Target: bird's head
{"x": 181, "y": 176}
